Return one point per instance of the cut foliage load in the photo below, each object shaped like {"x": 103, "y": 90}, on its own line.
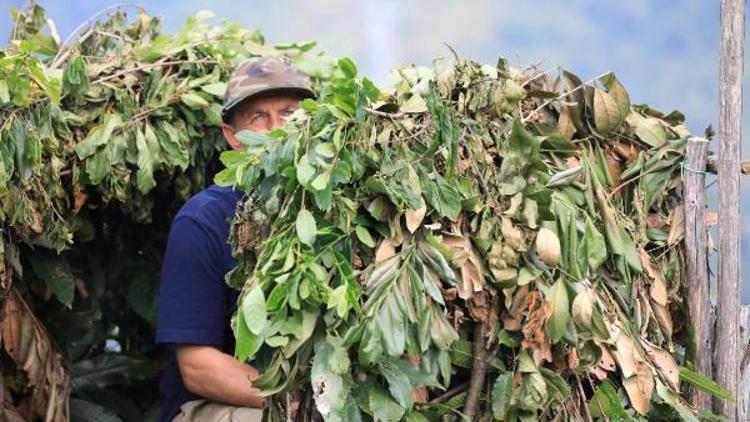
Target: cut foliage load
{"x": 473, "y": 241}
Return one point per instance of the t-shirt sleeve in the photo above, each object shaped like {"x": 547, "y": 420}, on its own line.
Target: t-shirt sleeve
{"x": 192, "y": 293}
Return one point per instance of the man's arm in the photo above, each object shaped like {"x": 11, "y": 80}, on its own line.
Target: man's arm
{"x": 212, "y": 374}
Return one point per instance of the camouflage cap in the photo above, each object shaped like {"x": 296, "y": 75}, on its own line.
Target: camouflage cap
{"x": 262, "y": 75}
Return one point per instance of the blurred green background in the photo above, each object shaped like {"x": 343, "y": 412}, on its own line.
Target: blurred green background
{"x": 666, "y": 52}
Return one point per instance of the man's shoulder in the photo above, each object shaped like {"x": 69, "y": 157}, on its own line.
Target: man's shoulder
{"x": 214, "y": 202}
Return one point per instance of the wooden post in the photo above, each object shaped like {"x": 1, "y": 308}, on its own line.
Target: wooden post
{"x": 745, "y": 364}
{"x": 696, "y": 280}
{"x": 726, "y": 348}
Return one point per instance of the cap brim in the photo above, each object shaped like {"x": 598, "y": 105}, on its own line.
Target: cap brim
{"x": 277, "y": 90}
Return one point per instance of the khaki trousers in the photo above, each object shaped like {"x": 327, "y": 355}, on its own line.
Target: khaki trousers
{"x": 211, "y": 411}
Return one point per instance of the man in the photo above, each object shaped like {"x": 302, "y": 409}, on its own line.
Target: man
{"x": 203, "y": 381}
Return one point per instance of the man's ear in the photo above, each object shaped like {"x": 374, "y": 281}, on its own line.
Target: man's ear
{"x": 229, "y": 135}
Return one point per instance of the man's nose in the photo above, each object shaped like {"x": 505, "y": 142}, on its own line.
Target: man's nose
{"x": 277, "y": 120}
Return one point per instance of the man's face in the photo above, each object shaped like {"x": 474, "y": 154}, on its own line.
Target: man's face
{"x": 259, "y": 114}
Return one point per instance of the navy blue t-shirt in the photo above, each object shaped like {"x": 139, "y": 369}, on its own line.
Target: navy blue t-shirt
{"x": 195, "y": 304}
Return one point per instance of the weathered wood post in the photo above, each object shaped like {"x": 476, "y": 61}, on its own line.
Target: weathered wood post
{"x": 726, "y": 348}
{"x": 744, "y": 400}
{"x": 696, "y": 283}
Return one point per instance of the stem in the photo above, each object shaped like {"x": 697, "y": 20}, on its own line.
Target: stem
{"x": 450, "y": 393}
{"x": 478, "y": 370}
{"x": 148, "y": 66}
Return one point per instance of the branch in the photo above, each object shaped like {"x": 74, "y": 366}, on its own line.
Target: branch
{"x": 478, "y": 370}
{"x": 150, "y": 65}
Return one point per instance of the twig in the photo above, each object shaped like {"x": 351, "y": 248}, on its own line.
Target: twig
{"x": 450, "y": 393}
{"x": 478, "y": 370}
{"x": 539, "y": 75}
{"x": 53, "y": 31}
{"x": 65, "y": 55}
{"x": 583, "y": 399}
{"x": 150, "y": 65}
{"x": 564, "y": 94}
{"x": 111, "y": 35}
{"x": 18, "y": 20}
{"x": 384, "y": 114}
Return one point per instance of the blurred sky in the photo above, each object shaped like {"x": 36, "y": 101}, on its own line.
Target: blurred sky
{"x": 666, "y": 52}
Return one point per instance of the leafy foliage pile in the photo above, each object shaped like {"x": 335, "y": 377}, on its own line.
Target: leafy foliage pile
{"x": 475, "y": 242}
{"x": 102, "y": 138}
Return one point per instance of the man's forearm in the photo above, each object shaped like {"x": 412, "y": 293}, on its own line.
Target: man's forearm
{"x": 214, "y": 375}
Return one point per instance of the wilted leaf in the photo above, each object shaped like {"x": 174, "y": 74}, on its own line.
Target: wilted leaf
{"x": 306, "y": 227}
{"x": 558, "y": 298}
{"x": 548, "y": 247}
{"x": 607, "y": 116}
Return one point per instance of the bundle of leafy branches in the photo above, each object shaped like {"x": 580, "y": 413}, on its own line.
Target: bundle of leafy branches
{"x": 475, "y": 242}
{"x": 103, "y": 136}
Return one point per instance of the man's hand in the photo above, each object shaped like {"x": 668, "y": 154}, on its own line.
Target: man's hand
{"x": 214, "y": 375}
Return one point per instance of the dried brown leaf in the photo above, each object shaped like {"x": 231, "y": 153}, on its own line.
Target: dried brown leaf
{"x": 384, "y": 251}
{"x": 465, "y": 257}
{"x": 665, "y": 363}
{"x": 415, "y": 217}
{"x": 28, "y": 344}
{"x": 534, "y": 331}
{"x": 658, "y": 288}
{"x": 676, "y": 225}
{"x": 639, "y": 388}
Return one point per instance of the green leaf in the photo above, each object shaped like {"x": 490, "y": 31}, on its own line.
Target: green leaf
{"x": 56, "y": 274}
{"x": 384, "y": 408}
{"x": 441, "y": 196}
{"x": 305, "y": 171}
{"x": 4, "y": 92}
{"x": 347, "y": 66}
{"x": 98, "y": 135}
{"x": 338, "y": 300}
{"x": 649, "y": 129}
{"x": 502, "y": 392}
{"x": 321, "y": 182}
{"x": 594, "y": 245}
{"x": 557, "y": 323}
{"x": 247, "y": 344}
{"x": 75, "y": 79}
{"x": 194, "y": 100}
{"x": 704, "y": 384}
{"x": 399, "y": 386}
{"x": 85, "y": 410}
{"x": 391, "y": 322}
{"x": 606, "y": 403}
{"x": 675, "y": 402}
{"x": 330, "y": 388}
{"x": 364, "y": 236}
{"x": 145, "y": 176}
{"x": 326, "y": 149}
{"x": 524, "y": 147}
{"x": 254, "y": 310}
{"x": 338, "y": 358}
{"x": 216, "y": 89}
{"x": 307, "y": 230}
{"x": 111, "y": 370}
{"x": 143, "y": 293}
